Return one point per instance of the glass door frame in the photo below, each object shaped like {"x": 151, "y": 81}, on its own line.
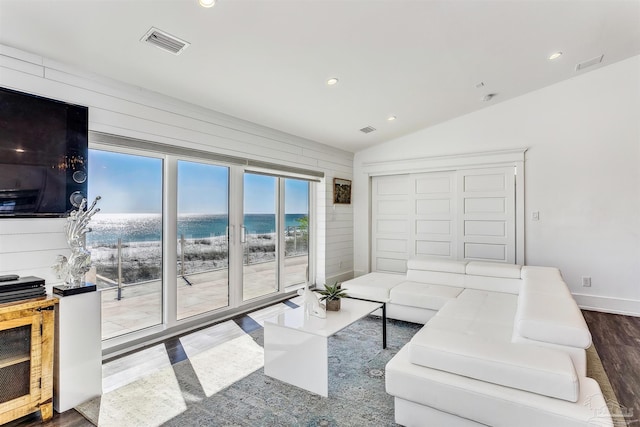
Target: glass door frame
{"x": 236, "y": 191}
{"x": 165, "y": 285}
{"x": 170, "y": 236}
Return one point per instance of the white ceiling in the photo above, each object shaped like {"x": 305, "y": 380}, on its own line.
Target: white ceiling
{"x": 267, "y": 61}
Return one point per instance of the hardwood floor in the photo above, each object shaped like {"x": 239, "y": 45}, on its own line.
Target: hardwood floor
{"x": 617, "y": 339}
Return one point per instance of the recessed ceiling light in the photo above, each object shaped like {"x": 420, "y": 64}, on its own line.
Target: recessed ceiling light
{"x": 19, "y": 150}
{"x": 555, "y": 55}
{"x": 332, "y": 81}
{"x": 207, "y": 3}
{"x": 391, "y": 118}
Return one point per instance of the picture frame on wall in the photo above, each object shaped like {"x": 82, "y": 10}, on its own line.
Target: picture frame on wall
{"x": 341, "y": 191}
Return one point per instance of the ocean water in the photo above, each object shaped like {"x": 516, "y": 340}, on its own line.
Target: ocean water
{"x": 107, "y": 228}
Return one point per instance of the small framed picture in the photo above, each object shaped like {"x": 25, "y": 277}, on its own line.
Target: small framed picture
{"x": 341, "y": 191}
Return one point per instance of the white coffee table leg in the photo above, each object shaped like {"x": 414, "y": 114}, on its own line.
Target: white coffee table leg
{"x": 297, "y": 358}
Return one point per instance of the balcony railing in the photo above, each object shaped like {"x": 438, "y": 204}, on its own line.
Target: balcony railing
{"x": 129, "y": 276}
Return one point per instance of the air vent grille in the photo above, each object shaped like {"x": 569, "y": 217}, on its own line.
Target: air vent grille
{"x": 589, "y": 63}
{"x": 367, "y": 129}
{"x": 165, "y": 41}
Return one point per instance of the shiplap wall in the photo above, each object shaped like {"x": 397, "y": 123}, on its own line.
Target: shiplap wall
{"x": 30, "y": 246}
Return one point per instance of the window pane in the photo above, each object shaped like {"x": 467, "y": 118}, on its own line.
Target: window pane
{"x": 126, "y": 240}
{"x": 203, "y": 247}
{"x": 259, "y": 258}
{"x": 296, "y": 252}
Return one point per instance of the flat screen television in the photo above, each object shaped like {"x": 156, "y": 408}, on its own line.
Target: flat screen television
{"x": 43, "y": 155}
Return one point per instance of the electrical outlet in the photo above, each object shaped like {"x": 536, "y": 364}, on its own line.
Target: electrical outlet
{"x": 586, "y": 281}
{"x": 535, "y": 215}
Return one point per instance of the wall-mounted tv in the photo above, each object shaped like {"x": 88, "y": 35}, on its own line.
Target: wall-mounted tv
{"x": 43, "y": 155}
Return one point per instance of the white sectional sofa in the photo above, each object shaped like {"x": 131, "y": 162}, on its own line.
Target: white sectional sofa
{"x": 502, "y": 345}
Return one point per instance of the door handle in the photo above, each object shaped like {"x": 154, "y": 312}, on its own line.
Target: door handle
{"x": 243, "y": 234}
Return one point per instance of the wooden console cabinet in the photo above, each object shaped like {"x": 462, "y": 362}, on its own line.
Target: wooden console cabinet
{"x": 26, "y": 358}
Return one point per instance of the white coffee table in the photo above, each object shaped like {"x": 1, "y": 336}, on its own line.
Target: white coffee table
{"x": 295, "y": 346}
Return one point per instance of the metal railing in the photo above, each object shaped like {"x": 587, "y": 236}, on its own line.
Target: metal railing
{"x": 253, "y": 241}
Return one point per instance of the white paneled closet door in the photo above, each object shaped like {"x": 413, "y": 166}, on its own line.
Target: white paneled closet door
{"x": 434, "y": 215}
{"x": 390, "y": 237}
{"x": 486, "y": 223}
{"x": 464, "y": 214}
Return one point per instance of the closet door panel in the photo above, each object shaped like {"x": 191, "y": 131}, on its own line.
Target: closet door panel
{"x": 390, "y": 228}
{"x": 433, "y": 219}
{"x": 463, "y": 214}
{"x": 487, "y": 221}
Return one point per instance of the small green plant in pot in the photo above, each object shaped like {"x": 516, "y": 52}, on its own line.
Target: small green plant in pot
{"x": 332, "y": 294}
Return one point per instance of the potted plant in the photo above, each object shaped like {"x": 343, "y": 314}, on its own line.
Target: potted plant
{"x": 331, "y": 294}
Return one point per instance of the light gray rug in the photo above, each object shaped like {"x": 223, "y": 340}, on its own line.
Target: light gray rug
{"x": 205, "y": 392}
{"x": 225, "y": 386}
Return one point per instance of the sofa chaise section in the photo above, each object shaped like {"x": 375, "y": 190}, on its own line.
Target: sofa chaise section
{"x": 428, "y": 396}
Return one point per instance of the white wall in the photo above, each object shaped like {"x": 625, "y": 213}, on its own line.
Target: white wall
{"x": 582, "y": 175}
{"x": 30, "y": 246}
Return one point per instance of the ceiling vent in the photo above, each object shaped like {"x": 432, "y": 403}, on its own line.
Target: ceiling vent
{"x": 165, "y": 41}
{"x": 367, "y": 129}
{"x": 589, "y": 63}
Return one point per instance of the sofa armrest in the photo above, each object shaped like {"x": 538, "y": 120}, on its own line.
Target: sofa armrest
{"x": 552, "y": 319}
{"x": 525, "y": 367}
{"x": 373, "y": 286}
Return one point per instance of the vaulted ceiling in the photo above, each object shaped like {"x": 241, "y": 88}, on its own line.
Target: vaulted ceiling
{"x": 268, "y": 61}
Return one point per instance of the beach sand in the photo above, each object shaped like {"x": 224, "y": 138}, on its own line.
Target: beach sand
{"x": 142, "y": 261}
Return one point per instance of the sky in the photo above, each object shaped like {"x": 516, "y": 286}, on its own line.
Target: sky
{"x": 133, "y": 184}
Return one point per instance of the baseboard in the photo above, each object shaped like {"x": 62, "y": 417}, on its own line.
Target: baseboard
{"x": 628, "y": 307}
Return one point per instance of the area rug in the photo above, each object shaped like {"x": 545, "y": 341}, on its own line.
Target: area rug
{"x": 197, "y": 393}
{"x": 596, "y": 371}
{"x": 194, "y": 392}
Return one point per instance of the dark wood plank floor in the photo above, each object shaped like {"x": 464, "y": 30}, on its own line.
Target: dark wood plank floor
{"x": 616, "y": 337}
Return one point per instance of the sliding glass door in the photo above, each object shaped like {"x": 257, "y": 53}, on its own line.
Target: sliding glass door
{"x": 296, "y": 235}
{"x": 126, "y": 240}
{"x": 274, "y": 234}
{"x": 259, "y": 236}
{"x": 203, "y": 246}
{"x": 182, "y": 238}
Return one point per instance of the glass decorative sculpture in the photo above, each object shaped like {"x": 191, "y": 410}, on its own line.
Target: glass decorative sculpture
{"x": 73, "y": 269}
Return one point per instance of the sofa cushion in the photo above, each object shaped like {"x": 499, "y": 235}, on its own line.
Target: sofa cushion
{"x": 444, "y": 265}
{"x": 481, "y": 328}
{"x": 552, "y": 319}
{"x": 372, "y": 286}
{"x": 485, "y": 314}
{"x": 494, "y": 269}
{"x": 477, "y": 305}
{"x": 525, "y": 367}
{"x": 423, "y": 295}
